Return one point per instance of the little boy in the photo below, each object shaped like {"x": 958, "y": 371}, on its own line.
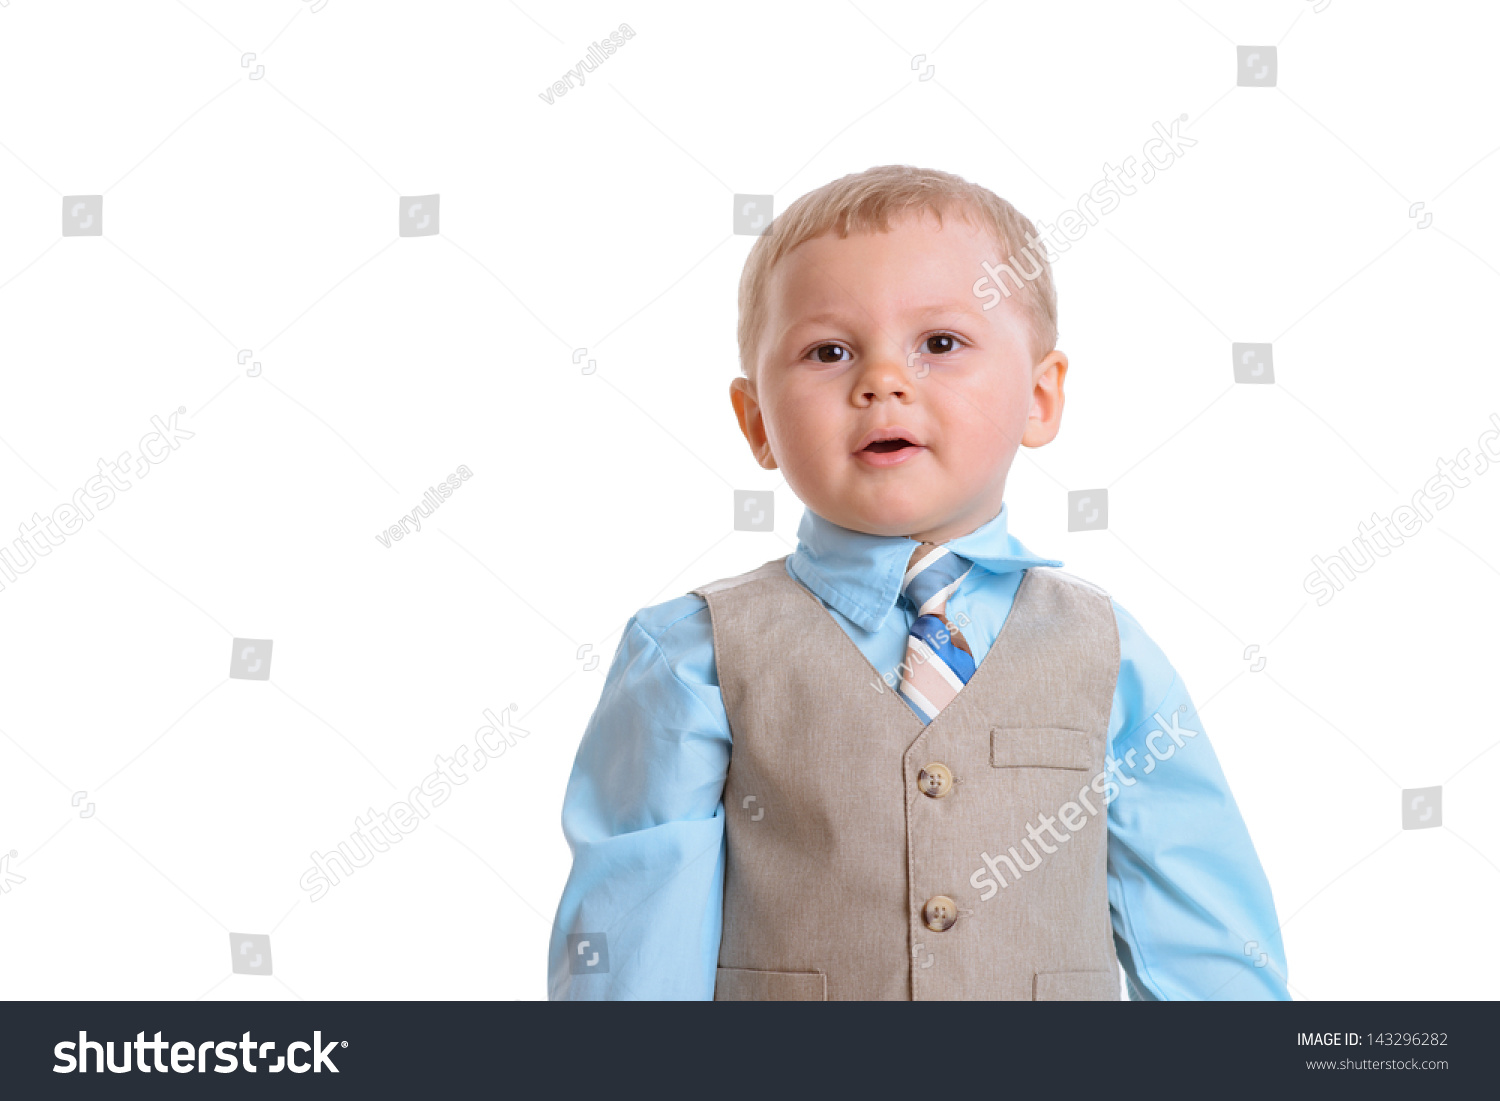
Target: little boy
{"x": 875, "y": 768}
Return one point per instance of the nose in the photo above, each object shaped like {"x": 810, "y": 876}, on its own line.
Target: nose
{"x": 885, "y": 376}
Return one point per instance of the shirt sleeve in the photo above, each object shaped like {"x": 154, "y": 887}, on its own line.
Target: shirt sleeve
{"x": 1190, "y": 904}
{"x": 644, "y": 817}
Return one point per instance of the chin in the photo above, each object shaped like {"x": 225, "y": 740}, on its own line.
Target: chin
{"x": 893, "y": 521}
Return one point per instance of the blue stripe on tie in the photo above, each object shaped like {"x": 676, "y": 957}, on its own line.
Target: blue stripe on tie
{"x": 935, "y": 577}
{"x": 929, "y": 628}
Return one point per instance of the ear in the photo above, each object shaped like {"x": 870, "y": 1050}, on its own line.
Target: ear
{"x": 747, "y": 410}
{"x": 1046, "y": 400}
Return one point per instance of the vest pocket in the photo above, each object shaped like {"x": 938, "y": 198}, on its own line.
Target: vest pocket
{"x": 740, "y": 984}
{"x": 1041, "y": 747}
{"x": 1077, "y": 986}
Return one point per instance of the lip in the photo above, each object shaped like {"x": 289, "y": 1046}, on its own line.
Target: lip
{"x": 889, "y": 458}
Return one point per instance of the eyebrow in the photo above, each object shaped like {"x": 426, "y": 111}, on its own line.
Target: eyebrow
{"x": 940, "y": 309}
{"x": 950, "y": 309}
{"x": 824, "y": 318}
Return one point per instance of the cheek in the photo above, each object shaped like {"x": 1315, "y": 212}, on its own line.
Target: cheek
{"x": 799, "y": 423}
{"x": 990, "y": 419}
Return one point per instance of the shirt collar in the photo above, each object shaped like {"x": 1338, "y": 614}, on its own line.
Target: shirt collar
{"x": 860, "y": 574}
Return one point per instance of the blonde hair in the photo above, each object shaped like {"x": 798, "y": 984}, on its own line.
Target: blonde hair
{"x": 867, "y": 202}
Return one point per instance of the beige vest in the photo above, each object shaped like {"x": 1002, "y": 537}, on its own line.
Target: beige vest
{"x": 839, "y": 862}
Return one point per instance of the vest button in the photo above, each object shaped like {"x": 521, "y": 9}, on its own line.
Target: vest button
{"x": 939, "y": 913}
{"x": 935, "y": 780}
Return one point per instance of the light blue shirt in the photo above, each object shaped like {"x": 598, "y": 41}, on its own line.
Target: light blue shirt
{"x": 644, "y": 815}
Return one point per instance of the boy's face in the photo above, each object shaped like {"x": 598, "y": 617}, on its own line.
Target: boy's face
{"x": 877, "y": 334}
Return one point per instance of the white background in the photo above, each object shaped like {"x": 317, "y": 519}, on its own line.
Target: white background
{"x": 262, "y": 214}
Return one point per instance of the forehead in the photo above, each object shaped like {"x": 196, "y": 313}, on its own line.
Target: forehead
{"x": 918, "y": 272}
{"x": 917, "y": 265}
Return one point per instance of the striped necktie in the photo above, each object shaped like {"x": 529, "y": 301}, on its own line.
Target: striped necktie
{"x": 938, "y": 659}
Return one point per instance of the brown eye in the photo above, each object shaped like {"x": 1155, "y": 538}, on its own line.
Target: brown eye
{"x": 947, "y": 343}
{"x": 822, "y": 352}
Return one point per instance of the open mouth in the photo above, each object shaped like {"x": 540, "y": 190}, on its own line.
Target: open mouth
{"x": 888, "y": 447}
